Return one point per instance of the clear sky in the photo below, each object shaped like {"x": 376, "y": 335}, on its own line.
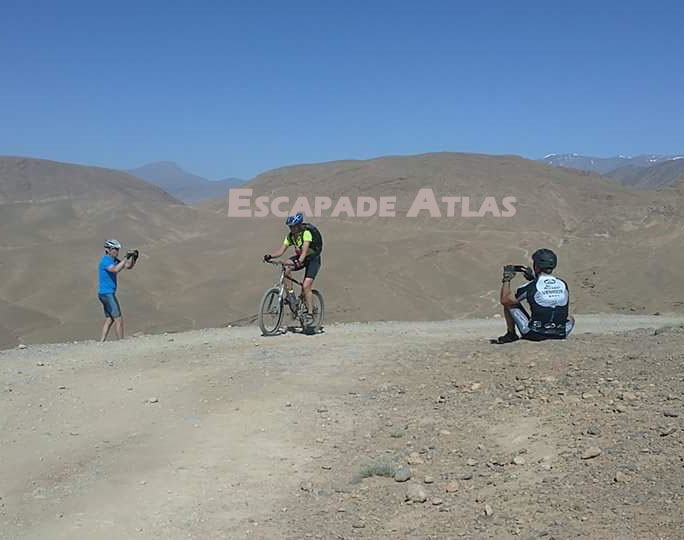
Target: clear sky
{"x": 235, "y": 88}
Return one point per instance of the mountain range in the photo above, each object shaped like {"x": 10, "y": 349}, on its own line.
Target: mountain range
{"x": 644, "y": 171}
{"x": 181, "y": 184}
{"x": 200, "y": 268}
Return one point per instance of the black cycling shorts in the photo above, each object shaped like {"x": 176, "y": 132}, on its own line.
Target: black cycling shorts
{"x": 312, "y": 265}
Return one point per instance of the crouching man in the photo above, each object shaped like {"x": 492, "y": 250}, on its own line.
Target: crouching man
{"x": 548, "y": 298}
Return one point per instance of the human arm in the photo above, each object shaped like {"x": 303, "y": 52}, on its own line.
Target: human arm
{"x": 307, "y": 239}
{"x": 506, "y": 296}
{"x": 278, "y": 253}
{"x": 117, "y": 267}
{"x": 303, "y": 254}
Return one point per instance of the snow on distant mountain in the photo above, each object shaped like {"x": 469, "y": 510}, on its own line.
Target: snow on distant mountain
{"x": 604, "y": 165}
{"x": 661, "y": 175}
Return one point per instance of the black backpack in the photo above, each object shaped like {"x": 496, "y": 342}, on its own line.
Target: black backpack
{"x": 317, "y": 243}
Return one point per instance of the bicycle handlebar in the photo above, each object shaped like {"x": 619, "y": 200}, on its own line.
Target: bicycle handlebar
{"x": 282, "y": 263}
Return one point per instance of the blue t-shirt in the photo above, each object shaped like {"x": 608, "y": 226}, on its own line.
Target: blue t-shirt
{"x": 107, "y": 279}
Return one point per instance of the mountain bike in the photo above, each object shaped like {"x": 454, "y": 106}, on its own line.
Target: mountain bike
{"x": 275, "y": 303}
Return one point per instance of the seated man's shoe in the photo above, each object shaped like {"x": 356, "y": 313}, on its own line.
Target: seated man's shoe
{"x": 508, "y": 337}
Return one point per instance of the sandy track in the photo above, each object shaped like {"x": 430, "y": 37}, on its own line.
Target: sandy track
{"x": 85, "y": 454}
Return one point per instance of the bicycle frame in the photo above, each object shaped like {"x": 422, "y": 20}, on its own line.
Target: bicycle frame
{"x": 281, "y": 281}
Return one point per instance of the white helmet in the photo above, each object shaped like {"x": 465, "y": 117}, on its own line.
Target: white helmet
{"x": 112, "y": 244}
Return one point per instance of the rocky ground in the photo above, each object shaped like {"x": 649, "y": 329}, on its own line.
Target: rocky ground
{"x": 369, "y": 431}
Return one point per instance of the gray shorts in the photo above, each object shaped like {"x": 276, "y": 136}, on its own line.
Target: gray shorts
{"x": 522, "y": 323}
{"x": 112, "y": 310}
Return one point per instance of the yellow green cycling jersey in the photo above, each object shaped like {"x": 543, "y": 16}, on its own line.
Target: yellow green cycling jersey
{"x": 298, "y": 241}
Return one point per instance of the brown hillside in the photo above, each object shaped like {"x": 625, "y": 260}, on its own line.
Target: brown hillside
{"x": 618, "y": 248}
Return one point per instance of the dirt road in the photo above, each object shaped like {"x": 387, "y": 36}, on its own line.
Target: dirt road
{"x": 223, "y": 433}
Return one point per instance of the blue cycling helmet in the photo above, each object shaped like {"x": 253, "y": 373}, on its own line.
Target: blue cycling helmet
{"x": 297, "y": 219}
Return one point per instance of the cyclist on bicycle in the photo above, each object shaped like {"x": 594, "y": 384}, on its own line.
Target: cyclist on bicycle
{"x": 308, "y": 244}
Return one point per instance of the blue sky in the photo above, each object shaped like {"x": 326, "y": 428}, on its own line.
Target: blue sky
{"x": 236, "y": 88}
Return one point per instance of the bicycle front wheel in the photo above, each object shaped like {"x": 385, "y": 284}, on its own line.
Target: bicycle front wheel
{"x": 270, "y": 312}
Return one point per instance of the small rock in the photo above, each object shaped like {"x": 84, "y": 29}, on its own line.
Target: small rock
{"x": 21, "y": 346}
{"x": 591, "y": 452}
{"x": 475, "y": 386}
{"x": 452, "y": 487}
{"x": 464, "y": 475}
{"x": 326, "y": 467}
{"x": 620, "y": 408}
{"x": 416, "y": 493}
{"x": 429, "y": 480}
{"x": 488, "y": 510}
{"x": 620, "y": 477}
{"x": 587, "y": 395}
{"x": 628, "y": 396}
{"x": 153, "y": 400}
{"x": 415, "y": 459}
{"x": 62, "y": 387}
{"x": 668, "y": 431}
{"x": 471, "y": 462}
{"x": 288, "y": 404}
{"x": 436, "y": 501}
{"x": 518, "y": 460}
{"x": 671, "y": 414}
{"x": 321, "y": 410}
{"x": 306, "y": 485}
{"x": 40, "y": 364}
{"x": 402, "y": 474}
{"x": 358, "y": 525}
{"x": 444, "y": 432}
{"x": 594, "y": 430}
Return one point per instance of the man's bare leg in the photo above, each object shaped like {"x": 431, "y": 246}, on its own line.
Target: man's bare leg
{"x": 511, "y": 335}
{"x": 289, "y": 284}
{"x": 510, "y": 323}
{"x": 119, "y": 327}
{"x": 308, "y": 295}
{"x": 105, "y": 329}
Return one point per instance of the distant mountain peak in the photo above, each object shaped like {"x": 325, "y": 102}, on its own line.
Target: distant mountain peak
{"x": 603, "y": 165}
{"x": 188, "y": 187}
{"x": 161, "y": 167}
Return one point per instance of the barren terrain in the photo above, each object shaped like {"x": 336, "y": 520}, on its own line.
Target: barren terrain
{"x": 225, "y": 434}
{"x": 619, "y": 249}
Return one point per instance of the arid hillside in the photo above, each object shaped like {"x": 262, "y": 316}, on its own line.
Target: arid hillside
{"x": 619, "y": 248}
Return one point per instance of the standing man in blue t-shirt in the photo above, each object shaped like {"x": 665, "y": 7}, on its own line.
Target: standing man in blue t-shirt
{"x": 108, "y": 269}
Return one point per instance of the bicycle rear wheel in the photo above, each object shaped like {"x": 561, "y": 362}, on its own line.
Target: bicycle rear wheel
{"x": 318, "y": 309}
{"x": 270, "y": 312}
